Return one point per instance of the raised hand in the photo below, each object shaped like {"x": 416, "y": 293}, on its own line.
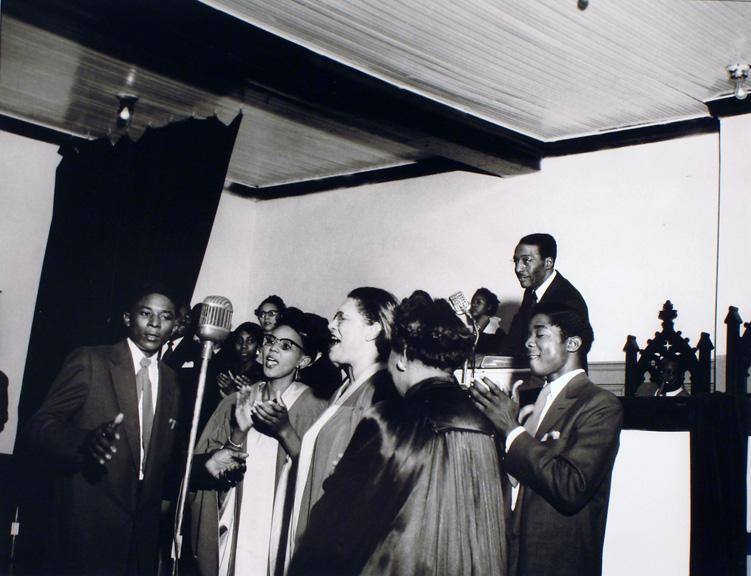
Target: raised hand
{"x": 226, "y": 464}
{"x": 242, "y": 381}
{"x": 226, "y": 383}
{"x": 271, "y": 417}
{"x": 243, "y": 411}
{"x": 500, "y": 408}
{"x": 99, "y": 444}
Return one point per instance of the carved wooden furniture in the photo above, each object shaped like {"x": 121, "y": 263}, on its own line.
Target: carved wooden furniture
{"x": 738, "y": 360}
{"x": 668, "y": 344}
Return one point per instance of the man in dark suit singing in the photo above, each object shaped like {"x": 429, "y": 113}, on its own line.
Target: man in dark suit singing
{"x": 534, "y": 265}
{"x": 106, "y": 430}
{"x": 561, "y": 459}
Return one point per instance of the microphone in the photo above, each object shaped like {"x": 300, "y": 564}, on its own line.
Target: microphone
{"x": 213, "y": 328}
{"x": 460, "y": 304}
{"x": 215, "y": 320}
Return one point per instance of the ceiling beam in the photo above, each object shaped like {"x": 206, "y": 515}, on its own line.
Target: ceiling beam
{"x": 190, "y": 42}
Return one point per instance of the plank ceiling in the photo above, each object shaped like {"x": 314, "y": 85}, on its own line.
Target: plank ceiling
{"x": 337, "y": 87}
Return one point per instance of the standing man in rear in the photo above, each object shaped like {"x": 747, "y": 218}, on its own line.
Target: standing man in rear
{"x": 534, "y": 265}
{"x": 106, "y": 430}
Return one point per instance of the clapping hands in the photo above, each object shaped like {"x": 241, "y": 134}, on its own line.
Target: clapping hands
{"x": 229, "y": 382}
{"x": 270, "y": 417}
{"x": 500, "y": 407}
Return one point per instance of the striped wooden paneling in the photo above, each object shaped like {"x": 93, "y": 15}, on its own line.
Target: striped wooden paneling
{"x": 545, "y": 68}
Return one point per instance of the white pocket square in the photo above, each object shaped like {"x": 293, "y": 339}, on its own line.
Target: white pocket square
{"x": 552, "y": 435}
{"x": 188, "y": 364}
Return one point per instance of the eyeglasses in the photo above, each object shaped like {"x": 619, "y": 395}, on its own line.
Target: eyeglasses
{"x": 285, "y": 344}
{"x": 267, "y": 313}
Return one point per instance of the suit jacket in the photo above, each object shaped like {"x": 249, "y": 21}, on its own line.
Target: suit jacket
{"x": 104, "y": 520}
{"x": 558, "y": 525}
{"x": 560, "y": 291}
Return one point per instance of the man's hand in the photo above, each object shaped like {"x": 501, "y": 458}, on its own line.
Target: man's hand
{"x": 500, "y": 408}
{"x": 227, "y": 464}
{"x": 99, "y": 444}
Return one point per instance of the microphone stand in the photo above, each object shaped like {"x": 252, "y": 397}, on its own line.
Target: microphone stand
{"x": 467, "y": 366}
{"x": 206, "y": 352}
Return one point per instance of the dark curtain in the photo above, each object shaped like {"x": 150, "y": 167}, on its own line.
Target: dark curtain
{"x": 718, "y": 429}
{"x": 123, "y": 215}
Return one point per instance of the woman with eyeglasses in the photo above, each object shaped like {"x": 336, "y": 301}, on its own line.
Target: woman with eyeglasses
{"x": 239, "y": 527}
{"x": 270, "y": 312}
{"x": 360, "y": 343}
{"x": 418, "y": 490}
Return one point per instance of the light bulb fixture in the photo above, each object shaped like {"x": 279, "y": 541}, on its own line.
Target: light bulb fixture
{"x": 739, "y": 75}
{"x": 125, "y": 109}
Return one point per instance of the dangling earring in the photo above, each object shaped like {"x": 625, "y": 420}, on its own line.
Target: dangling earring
{"x": 297, "y": 374}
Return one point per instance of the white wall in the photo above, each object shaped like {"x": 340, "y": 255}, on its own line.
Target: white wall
{"x": 649, "y": 517}
{"x": 227, "y": 263}
{"x": 635, "y": 226}
{"x": 27, "y": 183}
{"x": 734, "y": 286}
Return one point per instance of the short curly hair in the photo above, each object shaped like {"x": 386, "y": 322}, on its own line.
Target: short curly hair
{"x": 491, "y": 300}
{"x": 570, "y": 323}
{"x": 432, "y": 333}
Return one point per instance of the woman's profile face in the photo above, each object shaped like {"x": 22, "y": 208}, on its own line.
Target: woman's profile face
{"x": 282, "y": 352}
{"x": 245, "y": 346}
{"x": 351, "y": 334}
{"x": 478, "y": 306}
{"x": 268, "y": 316}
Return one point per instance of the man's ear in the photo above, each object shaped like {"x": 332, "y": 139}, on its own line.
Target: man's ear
{"x": 126, "y": 319}
{"x": 549, "y": 263}
{"x": 573, "y": 343}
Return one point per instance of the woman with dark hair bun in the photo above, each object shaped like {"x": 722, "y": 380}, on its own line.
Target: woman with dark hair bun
{"x": 360, "y": 335}
{"x": 418, "y": 490}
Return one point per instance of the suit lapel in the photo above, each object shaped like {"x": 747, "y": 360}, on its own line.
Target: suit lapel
{"x": 561, "y": 405}
{"x": 124, "y": 382}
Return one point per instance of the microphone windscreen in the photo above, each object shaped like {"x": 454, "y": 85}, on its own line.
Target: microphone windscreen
{"x": 215, "y": 320}
{"x": 459, "y": 302}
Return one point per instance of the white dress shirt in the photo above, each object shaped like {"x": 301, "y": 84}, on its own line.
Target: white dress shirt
{"x": 136, "y": 353}
{"x": 540, "y": 291}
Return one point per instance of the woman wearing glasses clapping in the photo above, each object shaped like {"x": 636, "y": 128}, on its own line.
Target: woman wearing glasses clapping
{"x": 360, "y": 344}
{"x": 240, "y": 527}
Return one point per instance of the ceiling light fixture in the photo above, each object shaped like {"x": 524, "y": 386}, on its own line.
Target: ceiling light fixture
{"x": 126, "y": 109}
{"x": 739, "y": 75}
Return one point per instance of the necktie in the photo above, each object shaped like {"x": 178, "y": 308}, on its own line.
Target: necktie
{"x": 147, "y": 404}
{"x": 532, "y": 423}
{"x": 168, "y": 352}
